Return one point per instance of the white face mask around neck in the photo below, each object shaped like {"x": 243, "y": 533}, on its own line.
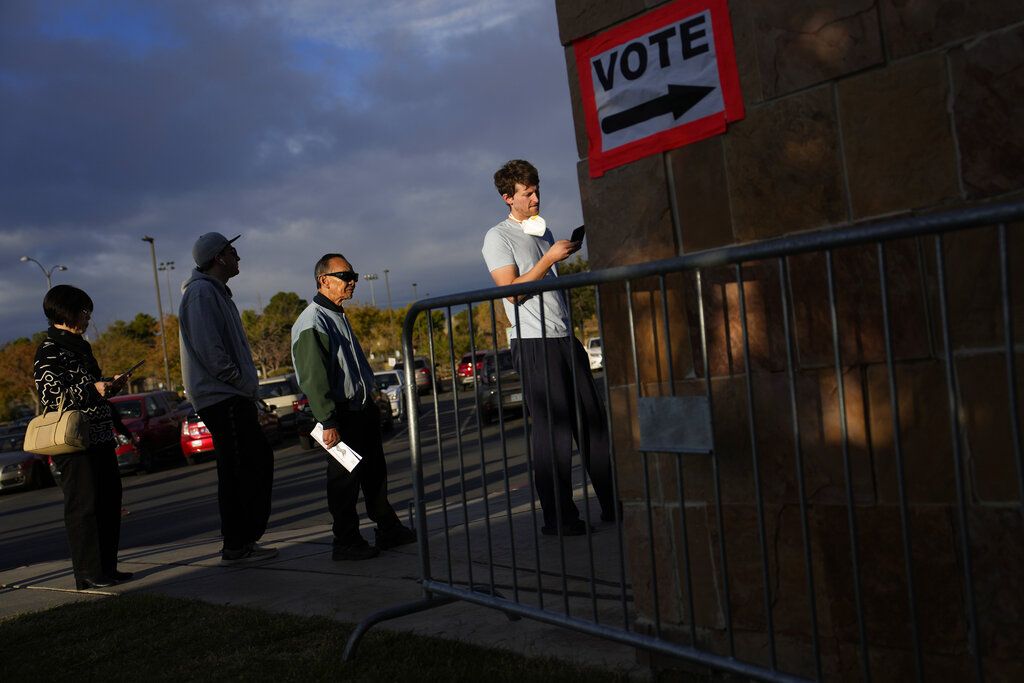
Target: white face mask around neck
{"x": 534, "y": 225}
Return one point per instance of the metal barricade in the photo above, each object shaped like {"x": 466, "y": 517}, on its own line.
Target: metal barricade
{"x": 715, "y": 350}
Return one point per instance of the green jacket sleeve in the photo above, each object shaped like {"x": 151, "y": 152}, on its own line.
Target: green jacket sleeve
{"x": 311, "y": 353}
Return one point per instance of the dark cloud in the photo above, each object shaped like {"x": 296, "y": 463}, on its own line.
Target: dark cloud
{"x": 258, "y": 119}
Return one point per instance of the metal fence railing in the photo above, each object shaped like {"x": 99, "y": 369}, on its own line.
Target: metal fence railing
{"x": 816, "y": 442}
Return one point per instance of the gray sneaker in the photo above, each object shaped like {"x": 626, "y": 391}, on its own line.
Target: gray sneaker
{"x": 250, "y": 553}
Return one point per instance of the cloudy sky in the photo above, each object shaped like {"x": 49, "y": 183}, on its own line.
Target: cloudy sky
{"x": 367, "y": 127}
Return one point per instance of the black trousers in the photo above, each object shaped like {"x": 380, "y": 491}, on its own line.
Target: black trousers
{"x": 91, "y": 484}
{"x": 552, "y": 407}
{"x": 245, "y": 470}
{"x": 360, "y": 430}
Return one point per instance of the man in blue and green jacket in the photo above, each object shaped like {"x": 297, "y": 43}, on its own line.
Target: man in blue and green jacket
{"x": 338, "y": 381}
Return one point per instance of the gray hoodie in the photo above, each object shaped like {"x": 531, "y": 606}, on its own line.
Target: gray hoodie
{"x": 216, "y": 362}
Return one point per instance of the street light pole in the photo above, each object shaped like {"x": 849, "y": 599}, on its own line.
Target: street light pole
{"x": 160, "y": 310}
{"x": 414, "y": 291}
{"x": 387, "y": 285}
{"x": 370, "y": 277}
{"x": 166, "y": 268}
{"x": 46, "y": 273}
{"x": 391, "y": 310}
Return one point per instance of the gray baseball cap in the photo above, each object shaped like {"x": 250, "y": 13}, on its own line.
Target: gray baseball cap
{"x": 208, "y": 246}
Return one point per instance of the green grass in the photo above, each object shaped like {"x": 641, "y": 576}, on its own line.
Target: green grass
{"x": 140, "y": 637}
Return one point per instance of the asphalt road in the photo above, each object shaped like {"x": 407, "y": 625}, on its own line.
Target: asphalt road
{"x": 180, "y": 502}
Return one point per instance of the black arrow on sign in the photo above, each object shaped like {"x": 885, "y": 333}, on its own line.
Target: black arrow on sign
{"x": 679, "y": 100}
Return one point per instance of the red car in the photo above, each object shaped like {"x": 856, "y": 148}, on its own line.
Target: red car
{"x": 465, "y": 371}
{"x": 197, "y": 442}
{"x": 422, "y": 374}
{"x": 153, "y": 418}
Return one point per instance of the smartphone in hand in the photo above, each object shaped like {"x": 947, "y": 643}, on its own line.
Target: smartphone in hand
{"x": 578, "y": 234}
{"x": 115, "y": 387}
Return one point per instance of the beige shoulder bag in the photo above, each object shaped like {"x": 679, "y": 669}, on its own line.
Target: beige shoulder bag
{"x": 57, "y": 432}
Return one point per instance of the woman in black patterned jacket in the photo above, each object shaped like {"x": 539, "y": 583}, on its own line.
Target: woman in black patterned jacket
{"x": 65, "y": 367}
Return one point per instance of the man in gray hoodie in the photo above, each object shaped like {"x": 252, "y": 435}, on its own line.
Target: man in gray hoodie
{"x": 220, "y": 379}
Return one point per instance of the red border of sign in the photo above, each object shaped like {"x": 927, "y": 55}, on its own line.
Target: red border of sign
{"x": 601, "y": 161}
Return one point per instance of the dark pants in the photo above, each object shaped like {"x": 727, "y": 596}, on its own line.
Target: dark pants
{"x": 552, "y": 407}
{"x": 360, "y": 430}
{"x": 245, "y": 470}
{"x": 91, "y": 484}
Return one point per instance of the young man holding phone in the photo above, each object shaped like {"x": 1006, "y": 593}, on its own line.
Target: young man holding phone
{"x": 521, "y": 249}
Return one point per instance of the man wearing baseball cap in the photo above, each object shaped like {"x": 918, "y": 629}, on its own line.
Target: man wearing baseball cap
{"x": 220, "y": 379}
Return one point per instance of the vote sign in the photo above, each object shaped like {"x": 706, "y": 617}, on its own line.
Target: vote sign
{"x": 660, "y": 81}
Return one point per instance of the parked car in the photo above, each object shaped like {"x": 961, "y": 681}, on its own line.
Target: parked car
{"x": 19, "y": 469}
{"x": 423, "y": 373}
{"x": 596, "y": 353}
{"x": 387, "y": 420}
{"x": 470, "y": 366}
{"x": 12, "y": 438}
{"x": 153, "y": 418}
{"x": 495, "y": 367}
{"x": 391, "y": 385}
{"x": 281, "y": 392}
{"x": 197, "y": 442}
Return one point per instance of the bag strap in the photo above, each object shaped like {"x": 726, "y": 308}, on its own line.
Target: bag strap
{"x": 60, "y": 406}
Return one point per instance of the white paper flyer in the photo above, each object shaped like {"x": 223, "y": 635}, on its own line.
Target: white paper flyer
{"x": 348, "y": 458}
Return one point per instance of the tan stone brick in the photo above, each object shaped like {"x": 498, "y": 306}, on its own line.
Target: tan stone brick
{"x": 937, "y": 577}
{"x": 803, "y": 42}
{"x": 702, "y": 195}
{"x": 639, "y": 535}
{"x": 732, "y": 440}
{"x": 997, "y": 545}
{"x": 724, "y": 321}
{"x": 988, "y": 108}
{"x": 791, "y": 608}
{"x": 830, "y": 458}
{"x": 900, "y": 152}
{"x": 702, "y": 568}
{"x": 783, "y": 167}
{"x": 627, "y": 214}
{"x": 616, "y": 342}
{"x": 912, "y": 26}
{"x": 579, "y": 18}
{"x": 924, "y": 435}
{"x": 742, "y": 16}
{"x": 743, "y": 555}
{"x": 974, "y": 287}
{"x": 624, "y": 439}
{"x": 652, "y": 350}
{"x": 987, "y": 432}
{"x": 858, "y": 295}
{"x": 775, "y": 439}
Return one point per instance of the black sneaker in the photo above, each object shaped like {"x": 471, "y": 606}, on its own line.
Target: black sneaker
{"x": 577, "y": 528}
{"x": 360, "y": 550}
{"x": 393, "y": 537}
{"x": 252, "y": 552}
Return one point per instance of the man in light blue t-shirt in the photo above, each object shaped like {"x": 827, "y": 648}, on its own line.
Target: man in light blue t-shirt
{"x": 522, "y": 249}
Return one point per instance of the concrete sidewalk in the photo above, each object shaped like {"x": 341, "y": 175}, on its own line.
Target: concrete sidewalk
{"x": 304, "y": 580}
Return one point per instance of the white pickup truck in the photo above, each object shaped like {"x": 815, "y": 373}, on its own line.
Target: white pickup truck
{"x": 595, "y": 353}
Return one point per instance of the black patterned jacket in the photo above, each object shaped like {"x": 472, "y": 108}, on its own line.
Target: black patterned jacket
{"x": 60, "y": 371}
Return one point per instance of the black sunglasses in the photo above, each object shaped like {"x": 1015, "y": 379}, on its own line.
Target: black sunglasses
{"x": 345, "y": 275}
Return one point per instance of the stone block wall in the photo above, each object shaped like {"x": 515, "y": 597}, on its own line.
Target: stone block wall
{"x": 855, "y": 110}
